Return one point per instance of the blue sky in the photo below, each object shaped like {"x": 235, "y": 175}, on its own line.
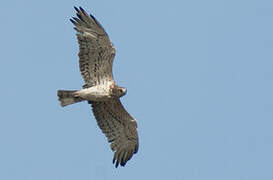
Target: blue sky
{"x": 199, "y": 76}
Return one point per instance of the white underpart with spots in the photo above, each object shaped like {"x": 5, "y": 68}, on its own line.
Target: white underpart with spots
{"x": 94, "y": 93}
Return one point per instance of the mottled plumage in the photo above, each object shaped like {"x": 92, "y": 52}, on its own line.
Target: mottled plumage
{"x": 96, "y": 61}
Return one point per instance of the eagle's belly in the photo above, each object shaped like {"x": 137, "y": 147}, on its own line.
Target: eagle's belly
{"x": 94, "y": 93}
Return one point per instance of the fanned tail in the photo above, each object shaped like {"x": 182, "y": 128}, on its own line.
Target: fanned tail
{"x": 67, "y": 97}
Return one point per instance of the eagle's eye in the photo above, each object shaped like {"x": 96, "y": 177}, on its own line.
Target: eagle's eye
{"x": 121, "y": 91}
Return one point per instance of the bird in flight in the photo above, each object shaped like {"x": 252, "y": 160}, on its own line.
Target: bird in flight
{"x": 96, "y": 55}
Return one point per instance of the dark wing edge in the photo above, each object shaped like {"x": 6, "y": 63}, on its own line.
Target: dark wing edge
{"x": 119, "y": 127}
{"x": 83, "y": 20}
{"x": 96, "y": 50}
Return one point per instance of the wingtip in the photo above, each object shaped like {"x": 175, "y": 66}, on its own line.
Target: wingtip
{"x": 122, "y": 164}
{"x": 82, "y": 9}
{"x": 117, "y": 163}
{"x": 76, "y": 9}
{"x": 71, "y": 20}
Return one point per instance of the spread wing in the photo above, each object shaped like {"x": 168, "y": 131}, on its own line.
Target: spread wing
{"x": 96, "y": 50}
{"x": 119, "y": 127}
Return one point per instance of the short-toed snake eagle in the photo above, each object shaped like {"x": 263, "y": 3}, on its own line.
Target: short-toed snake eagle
{"x": 96, "y": 54}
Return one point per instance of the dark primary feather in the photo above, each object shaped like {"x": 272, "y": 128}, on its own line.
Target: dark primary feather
{"x": 76, "y": 8}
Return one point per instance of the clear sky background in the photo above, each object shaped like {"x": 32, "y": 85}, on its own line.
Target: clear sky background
{"x": 199, "y": 76}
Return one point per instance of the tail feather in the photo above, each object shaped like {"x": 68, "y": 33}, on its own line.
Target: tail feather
{"x": 67, "y": 97}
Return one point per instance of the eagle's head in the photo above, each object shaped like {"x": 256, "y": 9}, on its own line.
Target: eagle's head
{"x": 117, "y": 91}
